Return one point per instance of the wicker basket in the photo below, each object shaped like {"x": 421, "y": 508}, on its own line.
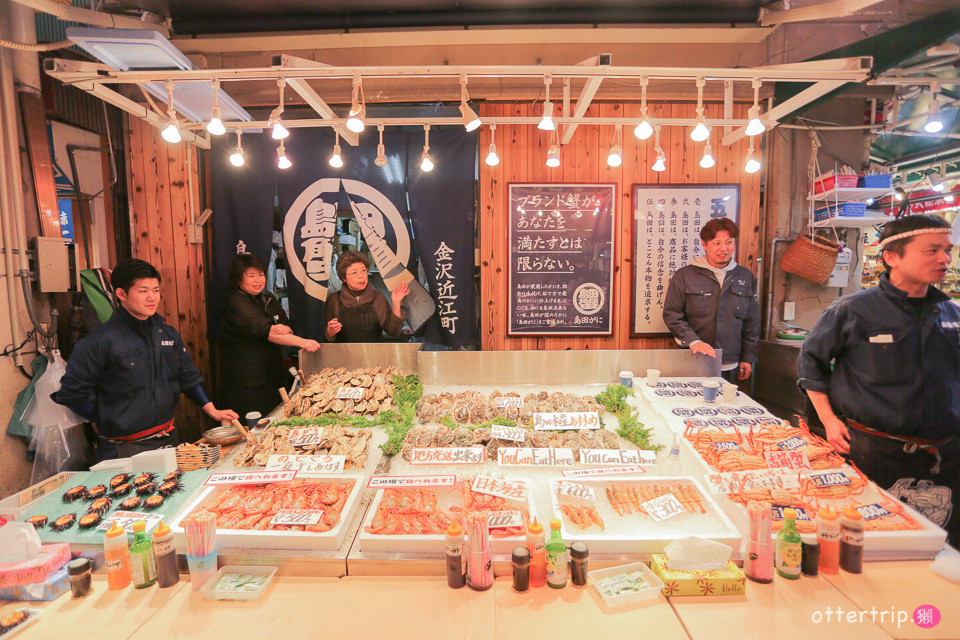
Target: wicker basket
{"x": 810, "y": 257}
{"x": 191, "y": 457}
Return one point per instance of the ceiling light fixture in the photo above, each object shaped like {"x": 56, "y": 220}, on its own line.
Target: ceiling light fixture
{"x": 553, "y": 153}
{"x": 471, "y": 121}
{"x": 426, "y": 164}
{"x": 336, "y": 160}
{"x": 661, "y": 162}
{"x": 492, "y": 158}
{"x": 752, "y": 164}
{"x": 899, "y": 194}
{"x": 643, "y": 130}
{"x": 700, "y": 131}
{"x": 215, "y": 126}
{"x": 615, "y": 156}
{"x": 546, "y": 123}
{"x": 707, "y": 160}
{"x": 358, "y": 107}
{"x": 381, "y": 160}
{"x": 283, "y": 162}
{"x": 172, "y": 131}
{"x": 755, "y": 127}
{"x": 279, "y": 132}
{"x": 236, "y": 158}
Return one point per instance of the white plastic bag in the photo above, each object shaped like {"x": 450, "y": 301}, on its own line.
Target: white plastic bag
{"x": 42, "y": 411}
{"x": 19, "y": 541}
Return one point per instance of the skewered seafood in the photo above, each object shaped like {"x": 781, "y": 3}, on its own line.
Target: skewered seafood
{"x": 318, "y": 395}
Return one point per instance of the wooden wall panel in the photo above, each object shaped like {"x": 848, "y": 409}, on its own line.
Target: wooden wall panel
{"x": 159, "y": 213}
{"x": 523, "y": 149}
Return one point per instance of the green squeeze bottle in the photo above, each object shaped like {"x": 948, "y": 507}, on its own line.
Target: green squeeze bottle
{"x": 788, "y": 547}
{"x": 556, "y": 550}
{"x": 143, "y": 567}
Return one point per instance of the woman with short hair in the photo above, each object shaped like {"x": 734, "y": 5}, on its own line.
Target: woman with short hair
{"x": 358, "y": 312}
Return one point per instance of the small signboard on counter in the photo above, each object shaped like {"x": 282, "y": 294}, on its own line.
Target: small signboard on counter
{"x": 387, "y": 482}
{"x": 448, "y": 455}
{"x": 534, "y": 457}
{"x": 617, "y": 457}
{"x": 567, "y": 421}
{"x": 307, "y": 466}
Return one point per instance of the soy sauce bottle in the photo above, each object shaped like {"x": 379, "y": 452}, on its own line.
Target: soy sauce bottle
{"x": 456, "y": 578}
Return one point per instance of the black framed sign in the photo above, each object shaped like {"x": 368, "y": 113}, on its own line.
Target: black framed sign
{"x": 561, "y": 259}
{"x": 666, "y": 236}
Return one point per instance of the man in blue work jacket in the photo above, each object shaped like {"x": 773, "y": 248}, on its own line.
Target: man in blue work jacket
{"x": 127, "y": 375}
{"x": 882, "y": 369}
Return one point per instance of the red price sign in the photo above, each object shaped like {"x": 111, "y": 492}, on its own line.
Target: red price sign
{"x": 251, "y": 477}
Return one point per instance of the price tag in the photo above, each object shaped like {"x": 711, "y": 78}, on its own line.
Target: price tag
{"x": 126, "y": 519}
{"x": 512, "y": 434}
{"x": 534, "y": 457}
{"x": 617, "y": 457}
{"x": 510, "y": 490}
{"x": 384, "y": 482}
{"x": 759, "y": 479}
{"x": 791, "y": 443}
{"x": 567, "y": 421}
{"x": 871, "y": 511}
{"x": 778, "y": 513}
{"x": 663, "y": 507}
{"x": 829, "y": 478}
{"x": 308, "y": 437}
{"x": 447, "y": 455}
{"x": 350, "y": 393}
{"x": 606, "y": 471}
{"x": 307, "y": 466}
{"x": 787, "y": 459}
{"x": 508, "y": 402}
{"x": 501, "y": 519}
{"x": 574, "y": 490}
{"x": 288, "y": 517}
{"x": 250, "y": 477}
{"x": 727, "y": 446}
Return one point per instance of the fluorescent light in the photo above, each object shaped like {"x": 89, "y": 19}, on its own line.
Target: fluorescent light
{"x": 707, "y": 160}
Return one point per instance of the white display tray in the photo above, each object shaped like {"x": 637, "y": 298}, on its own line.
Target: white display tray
{"x": 634, "y": 533}
{"x": 417, "y": 543}
{"x": 248, "y": 539}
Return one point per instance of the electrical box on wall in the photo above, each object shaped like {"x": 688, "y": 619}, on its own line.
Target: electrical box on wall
{"x": 841, "y": 272}
{"x": 51, "y": 264}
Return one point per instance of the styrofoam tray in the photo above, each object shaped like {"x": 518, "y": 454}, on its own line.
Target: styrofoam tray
{"x": 247, "y": 539}
{"x": 633, "y": 533}
{"x": 421, "y": 543}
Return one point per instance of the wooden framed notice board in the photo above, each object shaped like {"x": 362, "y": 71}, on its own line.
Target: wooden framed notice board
{"x": 666, "y": 236}
{"x": 561, "y": 259}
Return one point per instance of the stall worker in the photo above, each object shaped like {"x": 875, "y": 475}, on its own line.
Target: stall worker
{"x": 253, "y": 327}
{"x": 126, "y": 376}
{"x": 358, "y": 312}
{"x": 882, "y": 369}
{"x": 712, "y": 303}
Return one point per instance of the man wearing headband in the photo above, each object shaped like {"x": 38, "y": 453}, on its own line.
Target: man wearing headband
{"x": 882, "y": 369}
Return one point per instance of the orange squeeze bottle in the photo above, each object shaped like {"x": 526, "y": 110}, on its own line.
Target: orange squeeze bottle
{"x": 536, "y": 542}
{"x": 117, "y": 557}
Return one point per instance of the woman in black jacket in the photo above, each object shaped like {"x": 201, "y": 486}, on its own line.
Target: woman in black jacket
{"x": 253, "y": 327}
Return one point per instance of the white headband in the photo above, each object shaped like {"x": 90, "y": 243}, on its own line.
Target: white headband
{"x": 910, "y": 234}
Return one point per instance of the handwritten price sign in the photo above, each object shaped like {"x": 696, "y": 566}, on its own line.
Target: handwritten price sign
{"x": 288, "y": 517}
{"x": 530, "y": 457}
{"x": 384, "y": 482}
{"x": 126, "y": 519}
{"x": 508, "y": 402}
{"x": 666, "y": 506}
{"x": 512, "y": 434}
{"x": 617, "y": 457}
{"x": 250, "y": 477}
{"x": 787, "y": 459}
{"x": 606, "y": 471}
{"x": 574, "y": 490}
{"x": 510, "y": 490}
{"x": 350, "y": 393}
{"x": 566, "y": 421}
{"x": 500, "y": 519}
{"x": 307, "y": 466}
{"x": 447, "y": 455}
{"x": 308, "y": 437}
{"x": 726, "y": 483}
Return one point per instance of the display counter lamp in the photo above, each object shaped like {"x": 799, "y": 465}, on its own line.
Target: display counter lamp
{"x": 644, "y": 129}
{"x": 172, "y": 131}
{"x": 546, "y": 122}
{"x": 215, "y": 126}
{"x": 336, "y": 160}
{"x": 236, "y": 158}
{"x": 754, "y": 126}
{"x": 358, "y": 108}
{"x": 381, "y": 160}
{"x": 282, "y": 161}
{"x": 279, "y": 132}
{"x": 426, "y": 164}
{"x": 471, "y": 121}
{"x": 492, "y": 158}
{"x": 700, "y": 130}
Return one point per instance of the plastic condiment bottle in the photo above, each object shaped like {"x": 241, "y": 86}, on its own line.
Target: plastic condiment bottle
{"x": 456, "y": 577}
{"x": 670, "y": 465}
{"x": 538, "y": 555}
{"x": 143, "y": 567}
{"x": 165, "y": 556}
{"x": 828, "y": 534}
{"x": 117, "y": 557}
{"x": 556, "y": 550}
{"x": 789, "y": 552}
{"x": 851, "y": 540}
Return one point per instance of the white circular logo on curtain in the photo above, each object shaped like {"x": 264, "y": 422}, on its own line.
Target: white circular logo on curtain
{"x": 309, "y": 228}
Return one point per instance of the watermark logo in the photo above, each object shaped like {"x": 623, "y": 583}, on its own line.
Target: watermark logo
{"x": 926, "y": 616}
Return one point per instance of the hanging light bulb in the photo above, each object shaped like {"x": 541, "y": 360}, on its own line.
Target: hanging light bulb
{"x": 707, "y": 160}
{"x": 553, "y": 153}
{"x": 358, "y": 107}
{"x": 948, "y": 197}
{"x": 661, "y": 162}
{"x": 381, "y": 160}
{"x": 279, "y": 132}
{"x": 172, "y": 131}
{"x": 336, "y": 160}
{"x": 700, "y": 131}
{"x": 282, "y": 161}
{"x": 933, "y": 123}
{"x": 615, "y": 156}
{"x": 643, "y": 130}
{"x": 471, "y": 121}
{"x": 935, "y": 182}
{"x": 752, "y": 164}
{"x": 899, "y": 194}
{"x": 236, "y": 158}
{"x": 754, "y": 126}
{"x": 426, "y": 164}
{"x": 546, "y": 123}
{"x": 215, "y": 126}
{"x": 492, "y": 158}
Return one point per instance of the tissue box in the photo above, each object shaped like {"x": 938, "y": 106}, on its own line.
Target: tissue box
{"x": 729, "y": 581}
{"x": 51, "y": 558}
{"x": 56, "y": 584}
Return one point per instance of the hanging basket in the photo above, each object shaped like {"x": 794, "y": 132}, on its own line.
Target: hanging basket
{"x": 810, "y": 257}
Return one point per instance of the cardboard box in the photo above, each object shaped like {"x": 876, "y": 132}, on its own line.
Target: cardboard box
{"x": 729, "y": 581}
{"x": 51, "y": 558}
{"x": 56, "y": 584}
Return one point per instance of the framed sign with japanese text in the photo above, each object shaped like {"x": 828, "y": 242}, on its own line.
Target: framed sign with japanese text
{"x": 561, "y": 259}
{"x": 666, "y": 236}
